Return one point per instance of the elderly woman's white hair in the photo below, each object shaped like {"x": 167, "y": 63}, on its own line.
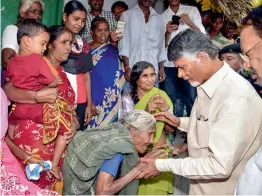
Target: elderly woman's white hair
{"x": 138, "y": 119}
{"x": 26, "y": 4}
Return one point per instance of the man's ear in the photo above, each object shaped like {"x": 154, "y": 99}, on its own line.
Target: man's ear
{"x": 202, "y": 59}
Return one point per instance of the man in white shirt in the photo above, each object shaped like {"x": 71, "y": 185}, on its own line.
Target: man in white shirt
{"x": 96, "y": 9}
{"x": 250, "y": 182}
{"x": 180, "y": 92}
{"x": 225, "y": 125}
{"x": 143, "y": 38}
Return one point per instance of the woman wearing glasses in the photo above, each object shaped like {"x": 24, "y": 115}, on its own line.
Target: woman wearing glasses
{"x": 31, "y": 9}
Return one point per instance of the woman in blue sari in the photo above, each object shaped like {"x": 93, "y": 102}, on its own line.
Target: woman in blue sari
{"x": 107, "y": 76}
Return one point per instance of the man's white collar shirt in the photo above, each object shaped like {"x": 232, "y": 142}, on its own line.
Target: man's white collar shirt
{"x": 143, "y": 41}
{"x": 223, "y": 133}
{"x": 193, "y": 14}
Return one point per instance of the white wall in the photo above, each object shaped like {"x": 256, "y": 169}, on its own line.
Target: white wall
{"x": 159, "y": 5}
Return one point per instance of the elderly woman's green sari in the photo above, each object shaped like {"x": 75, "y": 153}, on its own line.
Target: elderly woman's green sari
{"x": 163, "y": 184}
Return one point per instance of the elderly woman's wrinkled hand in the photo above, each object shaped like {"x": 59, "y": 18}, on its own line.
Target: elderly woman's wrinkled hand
{"x": 68, "y": 136}
{"x": 168, "y": 118}
{"x": 139, "y": 168}
{"x": 150, "y": 171}
{"x": 46, "y": 95}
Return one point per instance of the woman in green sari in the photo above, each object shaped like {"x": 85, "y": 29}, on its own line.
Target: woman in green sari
{"x": 144, "y": 96}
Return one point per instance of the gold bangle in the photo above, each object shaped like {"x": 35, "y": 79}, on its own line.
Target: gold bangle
{"x": 27, "y": 159}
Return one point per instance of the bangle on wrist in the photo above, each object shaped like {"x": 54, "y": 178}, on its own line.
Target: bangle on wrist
{"x": 167, "y": 109}
{"x": 25, "y": 161}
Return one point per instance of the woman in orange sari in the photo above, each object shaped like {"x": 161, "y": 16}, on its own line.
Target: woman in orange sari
{"x": 27, "y": 143}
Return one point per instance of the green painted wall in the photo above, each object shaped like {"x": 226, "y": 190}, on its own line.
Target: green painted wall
{"x": 52, "y": 13}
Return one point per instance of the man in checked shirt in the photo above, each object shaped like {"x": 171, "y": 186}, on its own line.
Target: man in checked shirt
{"x": 96, "y": 9}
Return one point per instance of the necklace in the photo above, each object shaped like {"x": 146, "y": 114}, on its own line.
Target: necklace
{"x": 79, "y": 44}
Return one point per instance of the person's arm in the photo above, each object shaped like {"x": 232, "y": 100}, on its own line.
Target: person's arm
{"x": 21, "y": 154}
{"x": 9, "y": 44}
{"x": 88, "y": 113}
{"x": 228, "y": 142}
{"x": 45, "y": 95}
{"x": 7, "y": 54}
{"x": 107, "y": 185}
{"x": 197, "y": 21}
{"x": 124, "y": 44}
{"x": 169, "y": 29}
{"x": 16, "y": 150}
{"x": 161, "y": 56}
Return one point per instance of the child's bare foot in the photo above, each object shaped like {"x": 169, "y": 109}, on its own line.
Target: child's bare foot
{"x": 56, "y": 172}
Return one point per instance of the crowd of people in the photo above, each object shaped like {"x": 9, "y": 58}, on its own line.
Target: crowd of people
{"x": 167, "y": 104}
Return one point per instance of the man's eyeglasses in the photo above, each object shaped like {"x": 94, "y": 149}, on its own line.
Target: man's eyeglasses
{"x": 245, "y": 55}
{"x": 36, "y": 12}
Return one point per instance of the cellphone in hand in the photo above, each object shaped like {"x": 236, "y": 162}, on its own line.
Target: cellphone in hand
{"x": 175, "y": 20}
{"x": 120, "y": 27}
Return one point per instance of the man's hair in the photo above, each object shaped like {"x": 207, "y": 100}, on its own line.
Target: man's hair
{"x": 216, "y": 15}
{"x": 119, "y": 3}
{"x": 30, "y": 28}
{"x": 188, "y": 43}
{"x": 138, "y": 119}
{"x": 254, "y": 18}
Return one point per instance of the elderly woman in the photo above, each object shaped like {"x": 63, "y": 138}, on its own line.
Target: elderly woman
{"x": 144, "y": 96}
{"x": 27, "y": 142}
{"x": 107, "y": 77}
{"x": 105, "y": 161}
{"x": 31, "y": 9}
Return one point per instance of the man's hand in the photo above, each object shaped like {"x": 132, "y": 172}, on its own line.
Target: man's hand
{"x": 185, "y": 19}
{"x": 128, "y": 71}
{"x": 162, "y": 75}
{"x": 46, "y": 95}
{"x": 150, "y": 171}
{"x": 171, "y": 27}
{"x": 168, "y": 118}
